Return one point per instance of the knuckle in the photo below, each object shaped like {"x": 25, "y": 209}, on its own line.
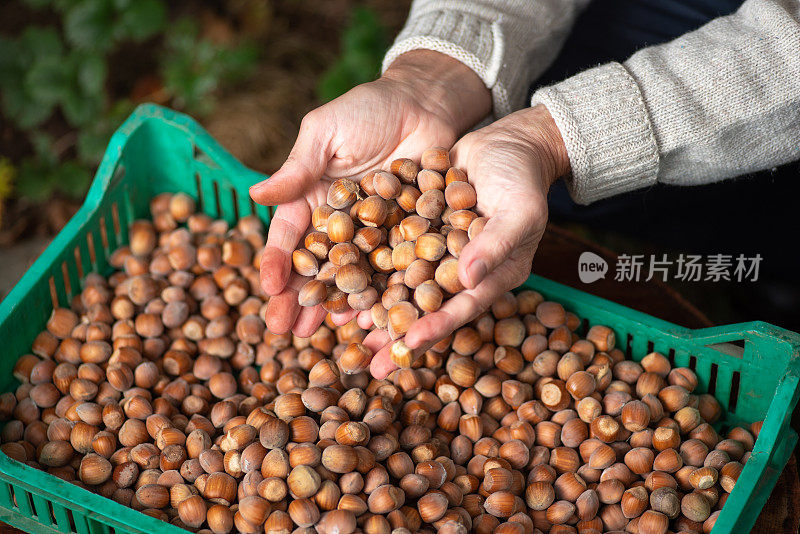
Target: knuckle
{"x": 312, "y": 120}
{"x": 503, "y": 246}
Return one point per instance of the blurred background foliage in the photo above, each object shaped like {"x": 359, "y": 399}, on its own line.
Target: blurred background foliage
{"x": 72, "y": 70}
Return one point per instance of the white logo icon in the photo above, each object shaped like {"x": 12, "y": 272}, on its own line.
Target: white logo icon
{"x": 591, "y": 267}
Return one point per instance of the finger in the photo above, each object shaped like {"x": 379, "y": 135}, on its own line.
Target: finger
{"x": 462, "y": 308}
{"x": 283, "y": 308}
{"x": 376, "y": 340}
{"x": 341, "y": 319}
{"x": 282, "y": 311}
{"x": 365, "y": 320}
{"x": 308, "y": 321}
{"x": 502, "y": 234}
{"x": 305, "y": 165}
{"x": 286, "y": 229}
{"x": 379, "y": 342}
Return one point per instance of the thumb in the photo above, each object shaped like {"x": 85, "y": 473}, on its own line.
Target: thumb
{"x": 502, "y": 234}
{"x": 305, "y": 165}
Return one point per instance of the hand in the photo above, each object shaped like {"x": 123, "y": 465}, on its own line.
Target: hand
{"x": 419, "y": 102}
{"x": 512, "y": 164}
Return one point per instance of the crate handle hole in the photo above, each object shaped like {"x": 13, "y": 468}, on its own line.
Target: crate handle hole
{"x": 730, "y": 348}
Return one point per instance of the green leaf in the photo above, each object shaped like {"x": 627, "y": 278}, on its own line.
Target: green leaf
{"x": 43, "y": 148}
{"x": 142, "y": 19}
{"x": 38, "y": 4}
{"x": 65, "y": 5}
{"x": 11, "y": 65}
{"x": 93, "y": 139}
{"x": 72, "y": 179}
{"x": 88, "y": 25}
{"x": 81, "y": 109}
{"x": 19, "y": 106}
{"x": 48, "y": 80}
{"x": 36, "y": 42}
{"x": 363, "y": 45}
{"x": 91, "y": 146}
{"x": 193, "y": 68}
{"x": 34, "y": 181}
{"x": 92, "y": 73}
{"x": 334, "y": 83}
{"x": 38, "y": 180}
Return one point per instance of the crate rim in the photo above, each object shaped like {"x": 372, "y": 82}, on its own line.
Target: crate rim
{"x": 93, "y": 505}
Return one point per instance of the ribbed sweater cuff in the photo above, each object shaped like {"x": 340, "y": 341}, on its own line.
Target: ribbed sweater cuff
{"x": 606, "y": 128}
{"x": 477, "y": 42}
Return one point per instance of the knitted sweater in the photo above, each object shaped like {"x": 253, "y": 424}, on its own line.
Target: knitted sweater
{"x": 721, "y": 101}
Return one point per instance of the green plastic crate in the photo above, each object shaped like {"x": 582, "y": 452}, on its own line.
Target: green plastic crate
{"x": 752, "y": 368}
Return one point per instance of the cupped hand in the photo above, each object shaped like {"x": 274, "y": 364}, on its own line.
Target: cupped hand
{"x": 416, "y": 104}
{"x": 511, "y": 163}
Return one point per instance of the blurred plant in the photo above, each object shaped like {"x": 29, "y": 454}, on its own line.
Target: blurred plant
{"x": 363, "y": 46}
{"x": 7, "y": 175}
{"x": 41, "y": 176}
{"x": 49, "y": 73}
{"x": 193, "y": 67}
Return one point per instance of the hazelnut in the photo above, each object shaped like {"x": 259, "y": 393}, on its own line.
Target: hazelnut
{"x": 460, "y": 195}
{"x": 446, "y": 276}
{"x": 351, "y": 278}
{"x": 436, "y": 159}
{"x": 401, "y": 316}
{"x": 405, "y": 169}
{"x": 305, "y": 263}
{"x": 340, "y": 227}
{"x": 312, "y": 293}
{"x": 342, "y": 193}
{"x": 372, "y": 211}
{"x": 430, "y": 204}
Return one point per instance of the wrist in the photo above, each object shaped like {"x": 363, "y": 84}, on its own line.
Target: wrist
{"x": 546, "y": 141}
{"x": 443, "y": 85}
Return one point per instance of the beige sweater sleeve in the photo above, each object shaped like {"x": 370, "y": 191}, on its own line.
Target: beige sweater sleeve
{"x": 508, "y": 43}
{"x": 718, "y": 102}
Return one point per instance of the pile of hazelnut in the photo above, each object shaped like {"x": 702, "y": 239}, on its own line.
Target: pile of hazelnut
{"x": 161, "y": 388}
{"x": 390, "y": 243}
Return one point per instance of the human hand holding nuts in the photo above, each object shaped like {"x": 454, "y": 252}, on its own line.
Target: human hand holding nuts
{"x": 367, "y": 128}
{"x": 511, "y": 164}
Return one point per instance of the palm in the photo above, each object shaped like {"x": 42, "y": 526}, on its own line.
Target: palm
{"x": 511, "y": 193}
{"x": 499, "y": 170}
{"x": 364, "y": 129}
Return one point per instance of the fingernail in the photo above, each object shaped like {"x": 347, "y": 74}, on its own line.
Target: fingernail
{"x": 257, "y": 187}
{"x": 477, "y": 271}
